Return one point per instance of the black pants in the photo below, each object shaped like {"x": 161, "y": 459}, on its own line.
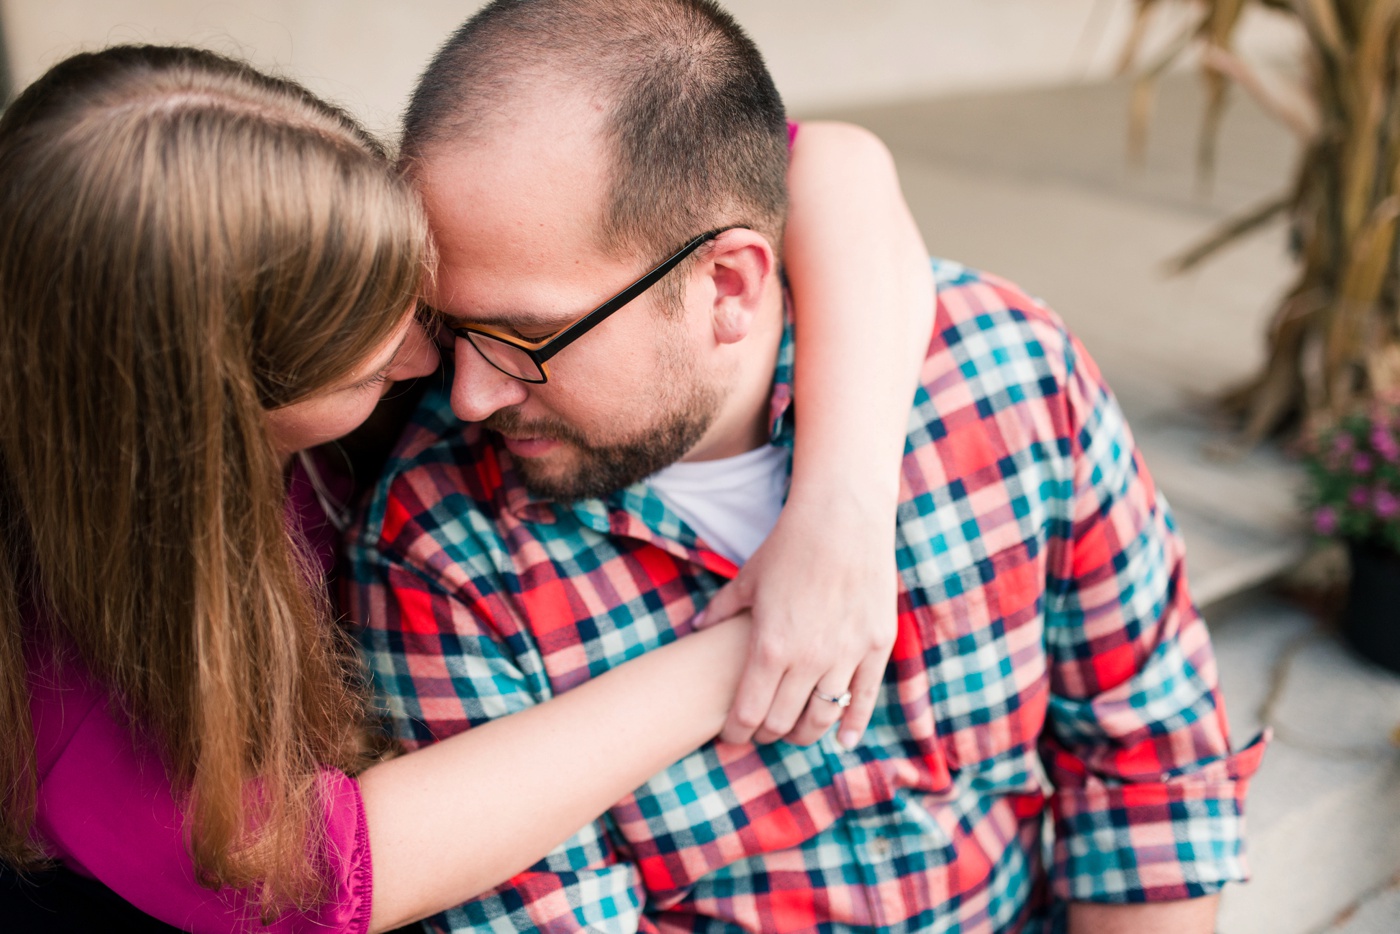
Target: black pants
{"x": 59, "y": 901}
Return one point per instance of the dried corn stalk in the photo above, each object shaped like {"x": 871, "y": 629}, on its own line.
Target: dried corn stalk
{"x": 1335, "y": 339}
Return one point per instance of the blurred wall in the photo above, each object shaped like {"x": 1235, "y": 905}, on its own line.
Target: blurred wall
{"x": 5, "y": 83}
{"x": 824, "y": 53}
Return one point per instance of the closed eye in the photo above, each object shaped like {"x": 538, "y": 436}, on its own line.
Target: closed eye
{"x": 375, "y": 380}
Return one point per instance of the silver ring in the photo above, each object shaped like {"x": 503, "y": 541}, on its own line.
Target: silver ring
{"x": 842, "y": 700}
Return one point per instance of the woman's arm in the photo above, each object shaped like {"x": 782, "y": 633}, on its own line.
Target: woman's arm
{"x": 444, "y": 823}
{"x": 822, "y": 587}
{"x": 490, "y": 802}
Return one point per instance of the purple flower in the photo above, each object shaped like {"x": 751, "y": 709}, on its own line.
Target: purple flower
{"x": 1386, "y": 504}
{"x": 1385, "y": 444}
{"x": 1325, "y": 520}
{"x": 1362, "y": 464}
{"x": 1342, "y": 443}
{"x": 1359, "y": 497}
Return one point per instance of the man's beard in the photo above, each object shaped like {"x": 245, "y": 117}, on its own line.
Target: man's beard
{"x": 604, "y": 467}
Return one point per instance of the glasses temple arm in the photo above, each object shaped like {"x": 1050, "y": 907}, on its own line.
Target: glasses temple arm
{"x": 580, "y": 327}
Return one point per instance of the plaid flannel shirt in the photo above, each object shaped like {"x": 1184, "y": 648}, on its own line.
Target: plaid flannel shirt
{"x": 1049, "y": 667}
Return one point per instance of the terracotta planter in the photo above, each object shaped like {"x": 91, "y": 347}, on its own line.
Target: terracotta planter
{"x": 1371, "y": 623}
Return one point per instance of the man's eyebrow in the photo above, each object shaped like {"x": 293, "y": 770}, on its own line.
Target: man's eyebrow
{"x": 529, "y": 320}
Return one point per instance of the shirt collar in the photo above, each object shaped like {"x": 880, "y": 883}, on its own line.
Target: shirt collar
{"x": 780, "y": 422}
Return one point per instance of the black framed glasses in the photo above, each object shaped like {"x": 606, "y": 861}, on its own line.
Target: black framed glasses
{"x": 525, "y": 360}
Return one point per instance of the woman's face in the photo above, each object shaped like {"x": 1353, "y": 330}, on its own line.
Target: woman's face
{"x": 342, "y": 407}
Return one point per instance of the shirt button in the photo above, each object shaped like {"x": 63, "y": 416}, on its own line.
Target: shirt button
{"x": 880, "y": 847}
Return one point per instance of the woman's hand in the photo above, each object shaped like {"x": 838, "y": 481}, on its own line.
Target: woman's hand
{"x": 822, "y": 589}
{"x": 823, "y": 586}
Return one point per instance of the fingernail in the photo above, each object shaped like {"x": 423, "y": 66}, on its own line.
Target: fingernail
{"x": 699, "y": 621}
{"x": 848, "y": 739}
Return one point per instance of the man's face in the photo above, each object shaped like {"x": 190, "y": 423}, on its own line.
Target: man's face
{"x": 514, "y": 218}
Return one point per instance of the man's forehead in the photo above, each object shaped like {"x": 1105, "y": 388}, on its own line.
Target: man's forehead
{"x": 511, "y": 191}
{"x": 552, "y": 139}
{"x": 513, "y": 288}
{"x": 529, "y": 277}
{"x": 516, "y": 206}
{"x": 501, "y": 222}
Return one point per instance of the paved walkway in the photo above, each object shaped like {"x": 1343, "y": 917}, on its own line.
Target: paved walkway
{"x": 1324, "y": 811}
{"x": 1036, "y": 186}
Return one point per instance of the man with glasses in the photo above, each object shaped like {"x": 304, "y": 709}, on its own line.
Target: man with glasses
{"x": 624, "y": 454}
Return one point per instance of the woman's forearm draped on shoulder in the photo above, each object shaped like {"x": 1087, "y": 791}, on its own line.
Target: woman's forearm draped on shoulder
{"x": 822, "y": 587}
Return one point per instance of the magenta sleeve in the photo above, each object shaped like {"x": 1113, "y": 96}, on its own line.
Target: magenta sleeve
{"x": 106, "y": 809}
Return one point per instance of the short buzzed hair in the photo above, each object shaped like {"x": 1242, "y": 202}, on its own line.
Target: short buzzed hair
{"x": 694, "y": 124}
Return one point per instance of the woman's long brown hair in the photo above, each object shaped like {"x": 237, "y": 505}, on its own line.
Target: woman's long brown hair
{"x": 185, "y": 243}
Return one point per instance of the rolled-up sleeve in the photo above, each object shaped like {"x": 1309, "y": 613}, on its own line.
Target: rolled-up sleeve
{"x": 1149, "y": 793}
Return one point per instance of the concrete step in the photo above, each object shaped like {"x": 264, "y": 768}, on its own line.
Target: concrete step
{"x": 1379, "y": 914}
{"x": 1324, "y": 809}
{"x": 1076, "y": 135}
{"x": 1238, "y": 512}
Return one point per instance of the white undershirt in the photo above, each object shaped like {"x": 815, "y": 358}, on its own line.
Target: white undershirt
{"x": 732, "y": 503}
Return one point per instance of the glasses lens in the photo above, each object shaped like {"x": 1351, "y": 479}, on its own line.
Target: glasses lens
{"x": 508, "y": 358}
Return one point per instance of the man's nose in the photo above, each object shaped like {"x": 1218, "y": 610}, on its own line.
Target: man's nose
{"x": 478, "y": 388}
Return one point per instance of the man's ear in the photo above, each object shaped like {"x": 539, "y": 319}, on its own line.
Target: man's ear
{"x": 742, "y": 266}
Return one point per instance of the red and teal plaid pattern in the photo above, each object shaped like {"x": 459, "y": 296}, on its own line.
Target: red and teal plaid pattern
{"x": 1051, "y": 681}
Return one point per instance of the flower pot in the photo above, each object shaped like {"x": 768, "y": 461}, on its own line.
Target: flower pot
{"x": 1371, "y": 623}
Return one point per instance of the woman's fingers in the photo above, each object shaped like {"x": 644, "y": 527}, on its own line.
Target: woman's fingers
{"x": 865, "y": 691}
